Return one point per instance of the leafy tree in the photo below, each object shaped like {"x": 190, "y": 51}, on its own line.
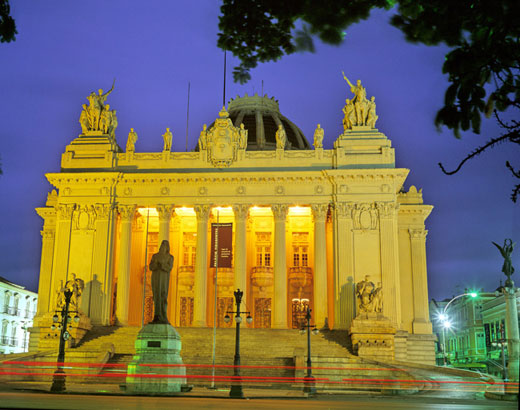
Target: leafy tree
{"x": 7, "y": 24}
{"x": 483, "y": 65}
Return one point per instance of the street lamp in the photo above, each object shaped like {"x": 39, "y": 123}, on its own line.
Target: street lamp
{"x": 309, "y": 380}
{"x": 58, "y": 379}
{"x": 445, "y": 320}
{"x": 236, "y": 388}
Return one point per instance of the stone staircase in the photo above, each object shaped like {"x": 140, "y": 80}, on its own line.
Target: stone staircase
{"x": 270, "y": 357}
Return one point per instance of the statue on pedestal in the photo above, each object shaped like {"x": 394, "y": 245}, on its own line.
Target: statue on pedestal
{"x": 242, "y": 137}
{"x": 167, "y": 138}
{"x": 318, "y": 137}
{"x": 281, "y": 137}
{"x": 74, "y": 285}
{"x": 203, "y": 138}
{"x": 358, "y": 110}
{"x": 132, "y": 139}
{"x": 506, "y": 252}
{"x": 97, "y": 117}
{"x": 161, "y": 266}
{"x": 364, "y": 292}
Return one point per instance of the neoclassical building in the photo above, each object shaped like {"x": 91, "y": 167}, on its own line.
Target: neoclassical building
{"x": 307, "y": 223}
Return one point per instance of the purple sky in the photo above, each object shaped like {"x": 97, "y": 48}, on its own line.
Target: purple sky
{"x": 65, "y": 50}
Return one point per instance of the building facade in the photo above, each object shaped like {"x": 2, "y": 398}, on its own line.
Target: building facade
{"x": 18, "y": 310}
{"x": 478, "y": 327}
{"x": 307, "y": 223}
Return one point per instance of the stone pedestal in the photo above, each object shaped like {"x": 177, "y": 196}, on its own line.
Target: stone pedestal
{"x": 373, "y": 336}
{"x": 157, "y": 365}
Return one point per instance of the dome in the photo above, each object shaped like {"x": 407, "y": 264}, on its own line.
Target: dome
{"x": 261, "y": 117}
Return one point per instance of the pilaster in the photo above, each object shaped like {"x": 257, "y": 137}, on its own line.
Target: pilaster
{"x": 280, "y": 267}
{"x": 343, "y": 265}
{"x": 48, "y": 236}
{"x": 421, "y": 322}
{"x": 390, "y": 261}
{"x": 100, "y": 287}
{"x": 65, "y": 213}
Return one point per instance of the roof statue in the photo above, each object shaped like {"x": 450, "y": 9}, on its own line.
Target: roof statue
{"x": 132, "y": 139}
{"x": 167, "y": 137}
{"x": 506, "y": 250}
{"x": 223, "y": 140}
{"x": 97, "y": 118}
{"x": 318, "y": 137}
{"x": 358, "y": 111}
{"x": 281, "y": 137}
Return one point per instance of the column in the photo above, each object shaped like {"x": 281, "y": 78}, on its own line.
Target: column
{"x": 61, "y": 249}
{"x": 101, "y": 285}
{"x": 319, "y": 212}
{"x": 344, "y": 298}
{"x": 123, "y": 274}
{"x": 280, "y": 267}
{"x": 390, "y": 261}
{"x": 48, "y": 235}
{"x": 421, "y": 322}
{"x": 240, "y": 252}
{"x": 513, "y": 340}
{"x": 165, "y": 214}
{"x": 201, "y": 266}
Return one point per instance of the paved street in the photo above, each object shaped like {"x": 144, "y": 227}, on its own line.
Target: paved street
{"x": 71, "y": 401}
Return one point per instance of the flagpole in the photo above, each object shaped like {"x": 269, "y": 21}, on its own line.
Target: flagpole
{"x": 215, "y": 303}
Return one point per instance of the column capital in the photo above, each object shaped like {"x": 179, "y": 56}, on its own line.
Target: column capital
{"x": 344, "y": 209}
{"x": 165, "y": 211}
{"x": 48, "y": 234}
{"x": 319, "y": 211}
{"x": 103, "y": 211}
{"x": 126, "y": 212}
{"x": 280, "y": 211}
{"x": 202, "y": 211}
{"x": 419, "y": 233}
{"x": 241, "y": 211}
{"x": 65, "y": 210}
{"x": 387, "y": 210}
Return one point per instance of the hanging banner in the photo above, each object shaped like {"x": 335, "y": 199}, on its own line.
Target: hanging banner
{"x": 222, "y": 239}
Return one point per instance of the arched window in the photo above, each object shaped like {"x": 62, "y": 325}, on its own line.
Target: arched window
{"x": 16, "y": 305}
{"x": 7, "y": 301}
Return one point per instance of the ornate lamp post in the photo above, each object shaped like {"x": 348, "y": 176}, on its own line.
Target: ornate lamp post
{"x": 58, "y": 379}
{"x": 236, "y": 388}
{"x": 309, "y": 380}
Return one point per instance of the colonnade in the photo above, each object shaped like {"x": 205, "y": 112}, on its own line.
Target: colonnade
{"x": 241, "y": 211}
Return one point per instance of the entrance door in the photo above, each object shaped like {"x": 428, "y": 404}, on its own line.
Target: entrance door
{"x": 263, "y": 313}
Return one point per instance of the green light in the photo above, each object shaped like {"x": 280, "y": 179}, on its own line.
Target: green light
{"x": 473, "y": 294}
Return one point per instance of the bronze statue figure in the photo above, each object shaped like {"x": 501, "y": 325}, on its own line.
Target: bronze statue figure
{"x": 161, "y": 266}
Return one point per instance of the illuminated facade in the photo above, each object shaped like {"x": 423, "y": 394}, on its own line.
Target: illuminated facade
{"x": 307, "y": 224}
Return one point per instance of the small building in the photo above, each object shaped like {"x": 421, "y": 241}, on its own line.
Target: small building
{"x": 18, "y": 307}
{"x": 477, "y": 326}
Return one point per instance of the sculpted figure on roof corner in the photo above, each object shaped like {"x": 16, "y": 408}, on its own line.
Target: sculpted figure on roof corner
{"x": 359, "y": 111}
